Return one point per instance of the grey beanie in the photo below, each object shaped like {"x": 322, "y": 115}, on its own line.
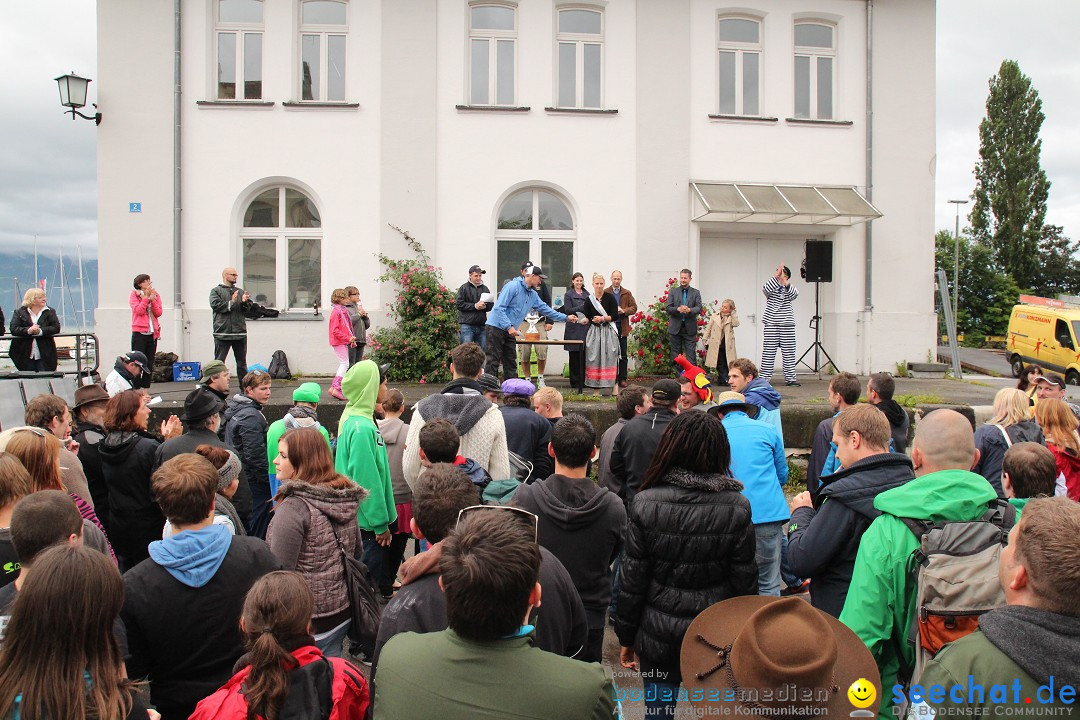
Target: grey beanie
{"x": 228, "y": 472}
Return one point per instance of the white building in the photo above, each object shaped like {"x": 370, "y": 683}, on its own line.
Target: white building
{"x": 613, "y": 131}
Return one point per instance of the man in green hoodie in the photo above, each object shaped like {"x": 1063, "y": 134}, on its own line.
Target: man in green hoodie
{"x": 361, "y": 456}
{"x": 881, "y": 599}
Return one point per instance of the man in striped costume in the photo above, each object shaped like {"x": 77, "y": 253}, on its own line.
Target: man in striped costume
{"x": 779, "y": 322}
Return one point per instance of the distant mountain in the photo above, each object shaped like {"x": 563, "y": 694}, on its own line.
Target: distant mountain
{"x": 17, "y": 276}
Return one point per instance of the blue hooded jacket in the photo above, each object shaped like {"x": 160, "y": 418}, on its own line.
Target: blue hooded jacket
{"x": 758, "y": 462}
{"x": 760, "y": 393}
{"x": 193, "y": 556}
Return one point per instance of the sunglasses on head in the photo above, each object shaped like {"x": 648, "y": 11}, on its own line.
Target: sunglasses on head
{"x": 524, "y": 518}
{"x": 27, "y": 428}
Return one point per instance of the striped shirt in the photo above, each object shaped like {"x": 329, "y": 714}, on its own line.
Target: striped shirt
{"x": 778, "y": 305}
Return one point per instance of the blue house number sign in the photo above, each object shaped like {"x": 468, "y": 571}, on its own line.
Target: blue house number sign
{"x": 135, "y": 207}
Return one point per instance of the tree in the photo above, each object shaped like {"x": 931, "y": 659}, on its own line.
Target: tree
{"x": 987, "y": 294}
{"x": 1059, "y": 269}
{"x": 1010, "y": 186}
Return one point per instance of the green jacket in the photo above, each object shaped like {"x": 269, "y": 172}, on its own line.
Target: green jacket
{"x": 229, "y": 320}
{"x": 881, "y": 599}
{"x": 361, "y": 452}
{"x": 274, "y": 433}
{"x": 442, "y": 676}
{"x": 974, "y": 656}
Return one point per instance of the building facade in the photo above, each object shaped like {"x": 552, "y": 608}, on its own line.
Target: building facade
{"x": 639, "y": 135}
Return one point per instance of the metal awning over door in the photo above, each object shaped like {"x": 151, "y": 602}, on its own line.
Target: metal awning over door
{"x": 790, "y": 204}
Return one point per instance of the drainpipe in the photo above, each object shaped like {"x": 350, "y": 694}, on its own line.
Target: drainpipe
{"x": 869, "y": 247}
{"x": 178, "y": 297}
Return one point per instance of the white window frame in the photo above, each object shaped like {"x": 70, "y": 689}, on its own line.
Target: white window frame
{"x": 534, "y": 235}
{"x": 239, "y": 30}
{"x": 281, "y": 236}
{"x": 492, "y": 37}
{"x": 581, "y": 40}
{"x": 814, "y": 54}
{"x": 740, "y": 49}
{"x": 325, "y": 32}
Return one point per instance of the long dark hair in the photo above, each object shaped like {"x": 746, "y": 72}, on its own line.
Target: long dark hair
{"x": 694, "y": 441}
{"x": 62, "y": 626}
{"x": 277, "y": 610}
{"x": 1028, "y": 371}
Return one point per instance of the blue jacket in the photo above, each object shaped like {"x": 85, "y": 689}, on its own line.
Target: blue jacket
{"x": 757, "y": 460}
{"x": 515, "y": 301}
{"x": 759, "y": 392}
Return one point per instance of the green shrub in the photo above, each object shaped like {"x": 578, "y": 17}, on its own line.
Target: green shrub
{"x": 425, "y": 316}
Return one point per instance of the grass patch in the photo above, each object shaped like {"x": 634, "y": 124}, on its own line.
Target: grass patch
{"x": 796, "y": 479}
{"x": 911, "y": 401}
{"x": 579, "y": 397}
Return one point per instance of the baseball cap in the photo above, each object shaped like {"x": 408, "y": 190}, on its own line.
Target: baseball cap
{"x": 526, "y": 264}
{"x": 138, "y": 358}
{"x": 209, "y": 370}
{"x": 666, "y": 391}
{"x": 1052, "y": 379}
{"x": 477, "y": 268}
{"x": 535, "y": 270}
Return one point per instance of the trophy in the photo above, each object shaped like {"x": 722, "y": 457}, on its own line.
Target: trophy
{"x": 531, "y": 333}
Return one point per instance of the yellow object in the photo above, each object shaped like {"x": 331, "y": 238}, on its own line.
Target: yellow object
{"x": 862, "y": 693}
{"x": 1044, "y": 336}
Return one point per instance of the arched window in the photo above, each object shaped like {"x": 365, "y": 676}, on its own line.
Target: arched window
{"x": 281, "y": 249}
{"x": 535, "y": 224}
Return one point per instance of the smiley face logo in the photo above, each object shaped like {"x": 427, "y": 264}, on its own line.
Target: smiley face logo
{"x": 862, "y": 693}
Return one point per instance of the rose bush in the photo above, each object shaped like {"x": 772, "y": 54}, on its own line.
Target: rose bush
{"x": 649, "y": 347}
{"x": 425, "y": 316}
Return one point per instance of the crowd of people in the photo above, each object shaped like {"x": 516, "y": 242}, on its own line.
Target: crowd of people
{"x": 205, "y": 566}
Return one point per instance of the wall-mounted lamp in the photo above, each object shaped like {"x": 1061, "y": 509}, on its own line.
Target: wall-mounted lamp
{"x": 73, "y": 95}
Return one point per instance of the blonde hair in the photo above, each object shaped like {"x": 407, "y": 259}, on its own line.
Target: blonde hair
{"x": 1058, "y": 424}
{"x": 551, "y": 396}
{"x": 338, "y": 296}
{"x": 31, "y": 295}
{"x": 1011, "y": 406}
{"x": 598, "y": 276}
{"x": 729, "y": 302}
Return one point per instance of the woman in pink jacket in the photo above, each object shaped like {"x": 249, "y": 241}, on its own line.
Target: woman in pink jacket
{"x": 145, "y": 305}
{"x": 341, "y": 338}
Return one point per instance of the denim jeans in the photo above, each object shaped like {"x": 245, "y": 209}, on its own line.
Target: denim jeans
{"x": 768, "y": 556}
{"x": 260, "y": 509}
{"x": 374, "y": 556}
{"x": 660, "y": 698}
{"x": 330, "y": 641}
{"x": 473, "y": 333}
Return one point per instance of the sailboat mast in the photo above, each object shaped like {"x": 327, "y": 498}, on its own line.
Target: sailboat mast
{"x": 82, "y": 290}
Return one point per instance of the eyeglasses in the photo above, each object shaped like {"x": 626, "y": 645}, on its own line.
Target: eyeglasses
{"x": 525, "y": 518}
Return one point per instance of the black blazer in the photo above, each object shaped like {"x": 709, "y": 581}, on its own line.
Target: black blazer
{"x": 21, "y": 346}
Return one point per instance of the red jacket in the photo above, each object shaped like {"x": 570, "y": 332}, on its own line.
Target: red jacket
{"x": 145, "y": 311}
{"x": 1068, "y": 467}
{"x": 349, "y": 691}
{"x": 340, "y": 327}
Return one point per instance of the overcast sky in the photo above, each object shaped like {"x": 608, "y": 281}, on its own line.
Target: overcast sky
{"x": 48, "y": 162}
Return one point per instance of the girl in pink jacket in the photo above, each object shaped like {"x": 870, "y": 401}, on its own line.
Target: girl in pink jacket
{"x": 341, "y": 338}
{"x": 145, "y": 305}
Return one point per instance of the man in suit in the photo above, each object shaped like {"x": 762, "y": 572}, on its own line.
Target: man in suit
{"x": 627, "y": 307}
{"x": 683, "y": 309}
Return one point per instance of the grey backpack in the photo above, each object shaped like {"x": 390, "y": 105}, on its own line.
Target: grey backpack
{"x": 955, "y": 574}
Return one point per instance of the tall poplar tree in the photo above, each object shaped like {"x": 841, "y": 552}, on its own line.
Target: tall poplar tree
{"x": 1010, "y": 186}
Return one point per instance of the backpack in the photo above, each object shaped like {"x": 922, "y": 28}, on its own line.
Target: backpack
{"x": 279, "y": 366}
{"x": 955, "y": 574}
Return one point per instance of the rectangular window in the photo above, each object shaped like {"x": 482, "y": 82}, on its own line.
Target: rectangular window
{"x": 492, "y": 51}
{"x": 323, "y": 40}
{"x": 815, "y": 71}
{"x": 238, "y": 50}
{"x": 738, "y": 66}
{"x": 260, "y": 270}
{"x": 580, "y": 75}
{"x": 305, "y": 271}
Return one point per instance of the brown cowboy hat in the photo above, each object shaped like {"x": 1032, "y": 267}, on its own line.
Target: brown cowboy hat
{"x": 778, "y": 657}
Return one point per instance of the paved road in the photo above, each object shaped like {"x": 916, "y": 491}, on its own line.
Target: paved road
{"x": 984, "y": 362}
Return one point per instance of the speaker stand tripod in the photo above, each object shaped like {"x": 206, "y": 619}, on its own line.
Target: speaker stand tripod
{"x": 817, "y": 347}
